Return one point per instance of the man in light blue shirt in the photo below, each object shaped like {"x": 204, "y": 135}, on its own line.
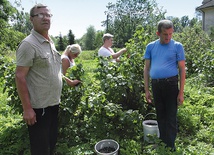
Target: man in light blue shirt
{"x": 165, "y": 64}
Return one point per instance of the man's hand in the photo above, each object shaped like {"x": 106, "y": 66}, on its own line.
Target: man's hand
{"x": 180, "y": 99}
{"x": 29, "y": 116}
{"x": 148, "y": 97}
{"x": 76, "y": 82}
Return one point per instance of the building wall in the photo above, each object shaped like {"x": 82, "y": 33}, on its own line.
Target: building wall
{"x": 208, "y": 19}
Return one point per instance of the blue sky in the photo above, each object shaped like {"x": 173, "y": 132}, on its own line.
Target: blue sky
{"x": 78, "y": 15}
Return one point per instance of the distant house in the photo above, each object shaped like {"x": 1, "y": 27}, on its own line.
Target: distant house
{"x": 207, "y": 10}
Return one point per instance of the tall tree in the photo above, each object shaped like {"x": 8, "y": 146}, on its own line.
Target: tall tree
{"x": 98, "y": 39}
{"x": 125, "y": 16}
{"x": 181, "y": 23}
{"x": 185, "y": 21}
{"x": 90, "y": 38}
{"x": 71, "y": 38}
{"x": 16, "y": 16}
{"x": 194, "y": 21}
{"x": 6, "y": 10}
{"x": 7, "y": 13}
{"x": 61, "y": 45}
{"x": 176, "y": 23}
{"x": 22, "y": 22}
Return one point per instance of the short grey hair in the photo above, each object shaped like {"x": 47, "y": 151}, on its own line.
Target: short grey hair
{"x": 74, "y": 48}
{"x": 107, "y": 36}
{"x": 37, "y": 6}
{"x": 165, "y": 24}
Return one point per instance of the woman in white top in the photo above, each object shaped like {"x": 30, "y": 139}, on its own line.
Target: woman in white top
{"x": 67, "y": 57}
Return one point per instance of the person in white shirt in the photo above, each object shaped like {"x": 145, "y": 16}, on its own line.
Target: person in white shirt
{"x": 67, "y": 57}
{"x": 107, "y": 51}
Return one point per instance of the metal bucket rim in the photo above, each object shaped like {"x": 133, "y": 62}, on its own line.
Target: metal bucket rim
{"x": 104, "y": 140}
{"x": 152, "y": 121}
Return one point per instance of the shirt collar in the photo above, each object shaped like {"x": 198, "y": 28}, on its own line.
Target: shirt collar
{"x": 39, "y": 37}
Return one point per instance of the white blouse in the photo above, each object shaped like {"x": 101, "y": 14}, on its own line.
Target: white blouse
{"x": 66, "y": 57}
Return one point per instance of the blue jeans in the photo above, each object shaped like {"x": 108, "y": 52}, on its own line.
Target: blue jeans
{"x": 43, "y": 134}
{"x": 165, "y": 92}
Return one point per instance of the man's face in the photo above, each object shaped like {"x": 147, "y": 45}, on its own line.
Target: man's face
{"x": 165, "y": 35}
{"x": 109, "y": 42}
{"x": 40, "y": 23}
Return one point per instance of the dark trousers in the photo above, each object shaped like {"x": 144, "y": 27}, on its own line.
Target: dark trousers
{"x": 43, "y": 134}
{"x": 165, "y": 92}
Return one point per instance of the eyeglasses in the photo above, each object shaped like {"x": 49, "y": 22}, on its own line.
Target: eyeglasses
{"x": 41, "y": 15}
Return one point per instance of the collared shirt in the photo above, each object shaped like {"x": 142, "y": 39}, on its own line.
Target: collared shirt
{"x": 44, "y": 79}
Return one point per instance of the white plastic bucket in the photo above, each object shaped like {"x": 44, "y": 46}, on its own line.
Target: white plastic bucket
{"x": 107, "y": 147}
{"x": 150, "y": 127}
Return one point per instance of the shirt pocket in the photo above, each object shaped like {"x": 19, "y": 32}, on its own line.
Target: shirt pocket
{"x": 43, "y": 60}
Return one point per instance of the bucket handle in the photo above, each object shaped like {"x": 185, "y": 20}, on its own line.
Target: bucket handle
{"x": 149, "y": 114}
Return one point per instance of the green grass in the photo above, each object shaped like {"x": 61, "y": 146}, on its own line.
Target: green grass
{"x": 89, "y": 62}
{"x": 87, "y": 55}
